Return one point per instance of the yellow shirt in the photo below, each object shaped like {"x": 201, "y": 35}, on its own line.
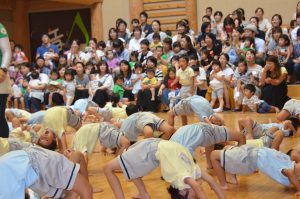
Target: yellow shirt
{"x": 55, "y": 119}
{"x": 153, "y": 45}
{"x": 21, "y": 135}
{"x": 148, "y": 81}
{"x": 86, "y": 138}
{"x": 185, "y": 76}
{"x": 176, "y": 164}
{"x": 257, "y": 143}
{"x": 4, "y": 146}
{"x": 25, "y": 114}
{"x": 117, "y": 112}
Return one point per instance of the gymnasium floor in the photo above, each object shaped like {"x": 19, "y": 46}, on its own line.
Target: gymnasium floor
{"x": 255, "y": 186}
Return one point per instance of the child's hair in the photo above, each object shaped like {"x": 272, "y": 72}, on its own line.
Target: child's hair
{"x": 286, "y": 39}
{"x": 69, "y": 72}
{"x": 18, "y": 46}
{"x": 52, "y": 146}
{"x": 176, "y": 44}
{"x": 216, "y": 62}
{"x": 292, "y": 23}
{"x": 168, "y": 41}
{"x": 193, "y": 57}
{"x": 145, "y": 42}
{"x": 242, "y": 62}
{"x": 35, "y": 74}
{"x": 250, "y": 87}
{"x": 205, "y": 52}
{"x": 101, "y": 44}
{"x": 250, "y": 39}
{"x": 106, "y": 53}
{"x": 115, "y": 99}
{"x": 159, "y": 47}
{"x": 119, "y": 77}
{"x": 138, "y": 65}
{"x": 54, "y": 71}
{"x": 185, "y": 57}
{"x": 135, "y": 20}
{"x": 171, "y": 69}
{"x": 168, "y": 33}
{"x": 131, "y": 109}
{"x": 156, "y": 36}
{"x": 195, "y": 68}
{"x": 134, "y": 54}
{"x": 295, "y": 122}
{"x": 289, "y": 152}
{"x": 175, "y": 193}
{"x": 175, "y": 58}
{"x": 150, "y": 70}
{"x": 276, "y": 30}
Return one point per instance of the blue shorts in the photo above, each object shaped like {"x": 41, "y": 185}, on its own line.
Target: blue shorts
{"x": 264, "y": 108}
{"x": 16, "y": 174}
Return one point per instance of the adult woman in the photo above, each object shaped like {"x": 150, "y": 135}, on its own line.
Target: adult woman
{"x": 81, "y": 81}
{"x": 91, "y": 53}
{"x": 106, "y": 84}
{"x": 264, "y": 23}
{"x": 112, "y": 36}
{"x": 214, "y": 47}
{"x": 4, "y": 78}
{"x": 75, "y": 55}
{"x": 187, "y": 46}
{"x": 127, "y": 85}
{"x": 254, "y": 69}
{"x": 156, "y": 29}
{"x": 182, "y": 29}
{"x": 276, "y": 23}
{"x": 233, "y": 47}
{"x": 145, "y": 51}
{"x": 228, "y": 74}
{"x": 228, "y": 26}
{"x": 121, "y": 52}
{"x": 218, "y": 26}
{"x": 205, "y": 29}
{"x": 144, "y": 96}
{"x": 121, "y": 29}
{"x": 297, "y": 10}
{"x": 134, "y": 43}
{"x": 273, "y": 82}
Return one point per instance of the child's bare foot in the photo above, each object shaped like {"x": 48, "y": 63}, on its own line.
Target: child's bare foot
{"x": 224, "y": 187}
{"x": 232, "y": 179}
{"x": 153, "y": 99}
{"x": 97, "y": 190}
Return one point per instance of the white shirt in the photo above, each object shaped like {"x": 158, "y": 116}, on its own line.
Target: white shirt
{"x": 294, "y": 34}
{"x": 16, "y": 91}
{"x": 88, "y": 55}
{"x": 264, "y": 25}
{"x": 134, "y": 44}
{"x": 107, "y": 81}
{"x": 252, "y": 102}
{"x": 216, "y": 84}
{"x": 81, "y": 55}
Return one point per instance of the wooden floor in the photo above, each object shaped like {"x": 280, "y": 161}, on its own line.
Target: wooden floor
{"x": 256, "y": 186}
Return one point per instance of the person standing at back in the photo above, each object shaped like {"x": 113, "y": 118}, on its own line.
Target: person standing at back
{"x": 5, "y": 89}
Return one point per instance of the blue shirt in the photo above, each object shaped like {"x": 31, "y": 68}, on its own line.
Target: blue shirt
{"x": 201, "y": 107}
{"x": 42, "y": 49}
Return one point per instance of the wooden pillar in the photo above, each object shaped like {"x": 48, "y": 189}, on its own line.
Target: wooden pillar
{"x": 191, "y": 14}
{"x": 97, "y": 20}
{"x": 21, "y": 25}
{"x": 135, "y": 8}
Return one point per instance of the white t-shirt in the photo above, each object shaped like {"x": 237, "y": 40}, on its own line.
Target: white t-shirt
{"x": 107, "y": 81}
{"x": 252, "y": 102}
{"x": 16, "y": 91}
{"x": 216, "y": 84}
{"x": 264, "y": 25}
{"x": 88, "y": 55}
{"x": 81, "y": 55}
{"x": 134, "y": 44}
{"x": 201, "y": 77}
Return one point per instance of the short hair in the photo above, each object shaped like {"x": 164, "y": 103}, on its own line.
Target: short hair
{"x": 286, "y": 39}
{"x": 118, "y": 43}
{"x": 131, "y": 109}
{"x": 35, "y": 74}
{"x": 54, "y": 71}
{"x": 218, "y": 13}
{"x": 276, "y": 30}
{"x": 145, "y": 42}
{"x": 119, "y": 77}
{"x": 216, "y": 62}
{"x": 156, "y": 36}
{"x": 193, "y": 57}
{"x": 185, "y": 57}
{"x": 115, "y": 98}
{"x": 101, "y": 44}
{"x": 176, "y": 44}
{"x": 19, "y": 46}
{"x": 69, "y": 72}
{"x": 209, "y": 8}
{"x": 168, "y": 33}
{"x": 138, "y": 65}
{"x": 259, "y": 8}
{"x": 175, "y": 193}
{"x": 135, "y": 20}
{"x": 144, "y": 14}
{"x": 168, "y": 41}
{"x": 289, "y": 152}
{"x": 250, "y": 87}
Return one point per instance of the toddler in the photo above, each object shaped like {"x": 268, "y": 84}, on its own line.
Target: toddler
{"x": 137, "y": 78}
{"x": 69, "y": 87}
{"x": 216, "y": 83}
{"x": 150, "y": 81}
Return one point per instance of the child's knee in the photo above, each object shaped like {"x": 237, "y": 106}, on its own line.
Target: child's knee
{"x": 215, "y": 155}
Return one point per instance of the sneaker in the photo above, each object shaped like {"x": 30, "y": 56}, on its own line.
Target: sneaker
{"x": 226, "y": 109}
{"x": 218, "y": 110}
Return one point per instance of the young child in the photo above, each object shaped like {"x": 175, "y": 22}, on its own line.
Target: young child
{"x": 149, "y": 81}
{"x": 216, "y": 83}
{"x": 240, "y": 78}
{"x": 156, "y": 42}
{"x": 161, "y": 60}
{"x": 133, "y": 59}
{"x": 69, "y": 87}
{"x": 252, "y": 102}
{"x": 146, "y": 155}
{"x": 144, "y": 123}
{"x": 284, "y": 54}
{"x": 246, "y": 160}
{"x": 205, "y": 135}
{"x": 249, "y": 44}
{"x": 186, "y": 77}
{"x": 19, "y": 56}
{"x": 17, "y": 95}
{"x": 118, "y": 87}
{"x": 290, "y": 109}
{"x": 112, "y": 62}
{"x": 35, "y": 94}
{"x": 206, "y": 61}
{"x": 93, "y": 85}
{"x": 174, "y": 89}
{"x": 30, "y": 168}
{"x": 137, "y": 78}
{"x": 54, "y": 85}
{"x": 176, "y": 48}
{"x": 195, "y": 104}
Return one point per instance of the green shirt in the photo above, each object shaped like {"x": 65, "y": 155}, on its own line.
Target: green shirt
{"x": 3, "y": 34}
{"x": 118, "y": 90}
